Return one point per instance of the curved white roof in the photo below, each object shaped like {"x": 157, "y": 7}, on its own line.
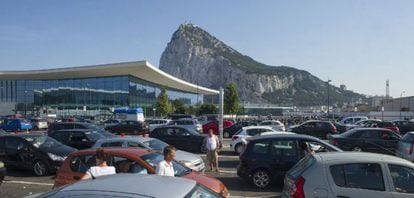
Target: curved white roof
{"x": 140, "y": 69}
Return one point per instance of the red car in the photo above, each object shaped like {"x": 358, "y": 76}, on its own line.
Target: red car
{"x": 214, "y": 125}
{"x": 129, "y": 160}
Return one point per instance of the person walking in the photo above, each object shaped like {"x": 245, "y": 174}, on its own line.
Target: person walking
{"x": 101, "y": 167}
{"x": 212, "y": 145}
{"x": 165, "y": 167}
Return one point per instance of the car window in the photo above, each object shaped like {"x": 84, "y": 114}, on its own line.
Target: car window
{"x": 135, "y": 144}
{"x": 386, "y": 135}
{"x": 252, "y": 132}
{"x": 156, "y": 144}
{"x": 318, "y": 147}
{"x": 14, "y": 143}
{"x": 283, "y": 148}
{"x": 403, "y": 178}
{"x": 82, "y": 163}
{"x": 370, "y": 135}
{"x": 77, "y": 137}
{"x": 359, "y": 175}
{"x": 112, "y": 144}
{"x": 60, "y": 136}
{"x": 408, "y": 138}
{"x": 161, "y": 131}
{"x": 261, "y": 147}
{"x": 125, "y": 165}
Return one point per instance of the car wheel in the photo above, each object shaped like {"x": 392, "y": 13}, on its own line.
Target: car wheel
{"x": 226, "y": 134}
{"x": 261, "y": 178}
{"x": 238, "y": 148}
{"x": 357, "y": 149}
{"x": 40, "y": 168}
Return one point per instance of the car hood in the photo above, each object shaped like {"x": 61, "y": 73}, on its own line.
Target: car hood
{"x": 207, "y": 181}
{"x": 61, "y": 150}
{"x": 186, "y": 156}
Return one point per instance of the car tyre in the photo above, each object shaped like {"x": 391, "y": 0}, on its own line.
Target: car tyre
{"x": 261, "y": 178}
{"x": 40, "y": 168}
{"x": 226, "y": 134}
{"x": 357, "y": 149}
{"x": 238, "y": 148}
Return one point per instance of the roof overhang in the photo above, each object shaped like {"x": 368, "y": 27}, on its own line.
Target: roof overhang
{"x": 140, "y": 69}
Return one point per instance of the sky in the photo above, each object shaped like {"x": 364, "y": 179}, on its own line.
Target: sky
{"x": 357, "y": 43}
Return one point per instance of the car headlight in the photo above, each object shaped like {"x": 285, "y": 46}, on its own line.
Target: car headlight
{"x": 188, "y": 164}
{"x": 56, "y": 157}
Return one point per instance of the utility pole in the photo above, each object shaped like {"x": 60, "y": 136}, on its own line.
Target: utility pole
{"x": 328, "y": 95}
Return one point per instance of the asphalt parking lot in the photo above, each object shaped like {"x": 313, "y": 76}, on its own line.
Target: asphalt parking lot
{"x": 20, "y": 183}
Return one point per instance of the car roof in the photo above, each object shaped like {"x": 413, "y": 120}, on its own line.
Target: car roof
{"x": 81, "y": 130}
{"x": 372, "y": 129}
{"x": 149, "y": 185}
{"x": 257, "y": 127}
{"x": 133, "y": 138}
{"x": 114, "y": 150}
{"x": 292, "y": 136}
{"x": 354, "y": 157}
{"x": 71, "y": 123}
{"x": 25, "y": 134}
{"x": 170, "y": 126}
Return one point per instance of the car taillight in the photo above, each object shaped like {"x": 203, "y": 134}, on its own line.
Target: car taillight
{"x": 333, "y": 128}
{"x": 234, "y": 137}
{"x": 333, "y": 142}
{"x": 296, "y": 190}
{"x": 411, "y": 148}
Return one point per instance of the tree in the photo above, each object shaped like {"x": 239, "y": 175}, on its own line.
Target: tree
{"x": 163, "y": 105}
{"x": 207, "y": 109}
{"x": 178, "y": 106}
{"x": 190, "y": 110}
{"x": 231, "y": 99}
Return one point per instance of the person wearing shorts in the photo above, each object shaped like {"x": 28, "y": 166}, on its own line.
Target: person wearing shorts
{"x": 212, "y": 145}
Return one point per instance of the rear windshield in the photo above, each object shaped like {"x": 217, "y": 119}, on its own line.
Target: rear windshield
{"x": 301, "y": 166}
{"x": 408, "y": 138}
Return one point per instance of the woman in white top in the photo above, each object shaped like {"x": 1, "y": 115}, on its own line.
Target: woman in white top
{"x": 101, "y": 167}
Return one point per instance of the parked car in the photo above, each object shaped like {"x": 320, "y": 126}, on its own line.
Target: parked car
{"x": 266, "y": 159}
{"x": 275, "y": 124}
{"x": 236, "y": 144}
{"x": 38, "y": 123}
{"x": 192, "y": 161}
{"x": 404, "y": 125}
{"x": 230, "y": 131}
{"x": 140, "y": 161}
{"x": 375, "y": 140}
{"x": 180, "y": 137}
{"x": 129, "y": 127}
{"x": 215, "y": 126}
{"x": 33, "y": 151}
{"x": 319, "y": 129}
{"x": 363, "y": 123}
{"x": 157, "y": 122}
{"x": 352, "y": 120}
{"x": 405, "y": 148}
{"x": 119, "y": 185}
{"x": 111, "y": 122}
{"x": 189, "y": 123}
{"x": 2, "y": 172}
{"x": 56, "y": 126}
{"x": 350, "y": 174}
{"x": 16, "y": 125}
{"x": 248, "y": 123}
{"x": 207, "y": 118}
{"x": 375, "y": 124}
{"x": 340, "y": 127}
{"x": 177, "y": 116}
{"x": 77, "y": 138}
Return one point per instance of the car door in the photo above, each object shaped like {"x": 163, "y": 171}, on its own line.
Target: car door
{"x": 18, "y": 153}
{"x": 370, "y": 141}
{"x": 284, "y": 155}
{"x": 402, "y": 178}
{"x": 389, "y": 141}
{"x": 358, "y": 180}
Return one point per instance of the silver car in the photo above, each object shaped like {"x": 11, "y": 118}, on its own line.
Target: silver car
{"x": 350, "y": 174}
{"x": 129, "y": 185}
{"x": 192, "y": 161}
{"x": 405, "y": 148}
{"x": 188, "y": 123}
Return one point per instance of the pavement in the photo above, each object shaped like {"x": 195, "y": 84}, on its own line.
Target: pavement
{"x": 20, "y": 183}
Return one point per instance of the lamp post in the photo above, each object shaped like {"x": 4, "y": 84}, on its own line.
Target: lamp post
{"x": 401, "y": 102}
{"x": 327, "y": 82}
{"x": 25, "y": 103}
{"x": 382, "y": 113}
{"x": 154, "y": 110}
{"x": 356, "y": 109}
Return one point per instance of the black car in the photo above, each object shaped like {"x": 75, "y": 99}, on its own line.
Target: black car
{"x": 266, "y": 159}
{"x": 377, "y": 140}
{"x": 180, "y": 137}
{"x": 57, "y": 126}
{"x": 2, "y": 172}
{"x": 129, "y": 127}
{"x": 230, "y": 131}
{"x": 316, "y": 128}
{"x": 404, "y": 125}
{"x": 77, "y": 138}
{"x": 34, "y": 151}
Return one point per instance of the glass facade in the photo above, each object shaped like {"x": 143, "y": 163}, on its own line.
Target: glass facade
{"x": 96, "y": 94}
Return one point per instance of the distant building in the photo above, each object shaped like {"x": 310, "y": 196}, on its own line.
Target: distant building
{"x": 376, "y": 101}
{"x": 342, "y": 87}
{"x": 399, "y": 104}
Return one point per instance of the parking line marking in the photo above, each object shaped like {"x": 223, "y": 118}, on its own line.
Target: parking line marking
{"x": 227, "y": 171}
{"x": 31, "y": 183}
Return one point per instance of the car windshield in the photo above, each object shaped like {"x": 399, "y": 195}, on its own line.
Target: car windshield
{"x": 42, "y": 141}
{"x": 156, "y": 144}
{"x": 408, "y": 138}
{"x": 201, "y": 191}
{"x": 94, "y": 135}
{"x": 154, "y": 158}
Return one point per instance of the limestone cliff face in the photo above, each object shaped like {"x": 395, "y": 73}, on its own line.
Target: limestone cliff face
{"x": 196, "y": 56}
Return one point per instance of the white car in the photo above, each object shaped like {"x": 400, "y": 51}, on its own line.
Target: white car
{"x": 157, "y": 122}
{"x": 237, "y": 139}
{"x": 351, "y": 120}
{"x": 362, "y": 123}
{"x": 350, "y": 174}
{"x": 275, "y": 124}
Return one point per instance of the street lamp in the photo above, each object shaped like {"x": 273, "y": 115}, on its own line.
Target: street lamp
{"x": 25, "y": 103}
{"x": 382, "y": 112}
{"x": 327, "y": 82}
{"x": 154, "y": 109}
{"x": 401, "y": 102}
